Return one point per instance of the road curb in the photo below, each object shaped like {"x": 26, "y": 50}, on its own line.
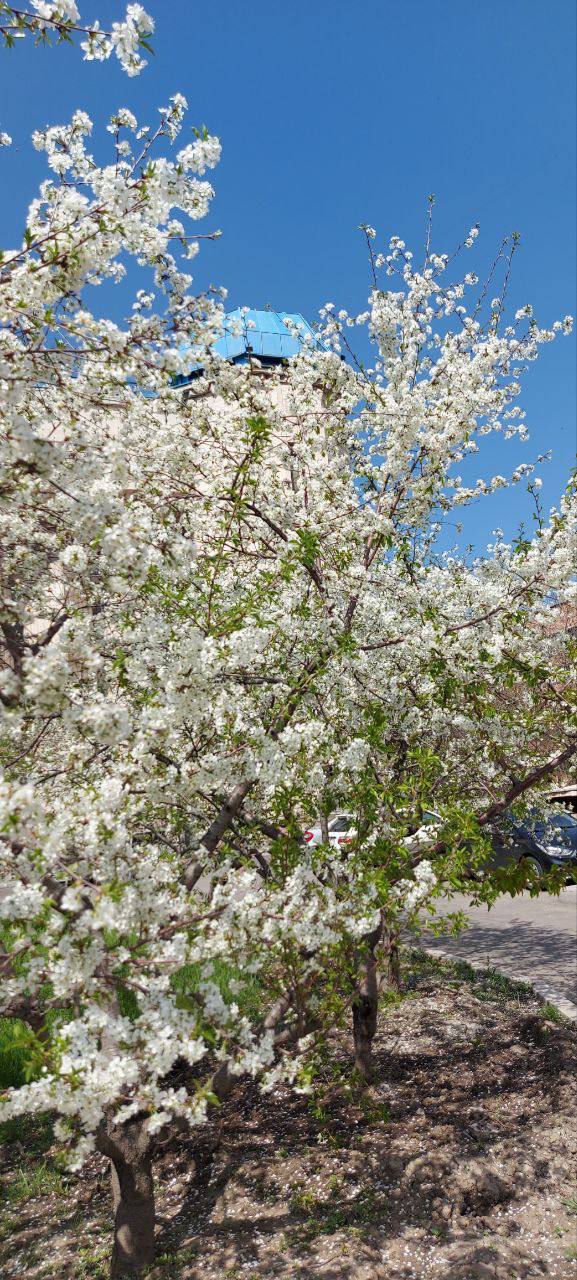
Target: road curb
{"x": 542, "y": 989}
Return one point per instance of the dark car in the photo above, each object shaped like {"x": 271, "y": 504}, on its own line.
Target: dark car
{"x": 541, "y": 842}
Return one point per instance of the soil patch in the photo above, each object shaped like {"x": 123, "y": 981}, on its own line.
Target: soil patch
{"x": 458, "y": 1164}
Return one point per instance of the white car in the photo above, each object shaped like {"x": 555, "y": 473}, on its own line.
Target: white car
{"x": 342, "y": 830}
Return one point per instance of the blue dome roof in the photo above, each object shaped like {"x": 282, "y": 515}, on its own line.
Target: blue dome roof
{"x": 265, "y": 335}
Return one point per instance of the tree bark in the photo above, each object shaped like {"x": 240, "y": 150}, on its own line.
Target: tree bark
{"x": 366, "y": 1008}
{"x": 128, "y": 1148}
{"x": 393, "y": 948}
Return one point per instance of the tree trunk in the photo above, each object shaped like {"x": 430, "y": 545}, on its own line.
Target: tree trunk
{"x": 365, "y": 1011}
{"x": 394, "y": 961}
{"x": 128, "y": 1148}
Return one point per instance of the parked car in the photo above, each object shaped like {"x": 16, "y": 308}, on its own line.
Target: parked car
{"x": 340, "y": 827}
{"x": 342, "y": 830}
{"x": 542, "y": 843}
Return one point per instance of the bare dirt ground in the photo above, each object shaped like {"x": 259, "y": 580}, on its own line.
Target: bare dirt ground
{"x": 458, "y": 1164}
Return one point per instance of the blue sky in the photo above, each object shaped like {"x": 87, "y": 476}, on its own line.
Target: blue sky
{"x": 334, "y": 112}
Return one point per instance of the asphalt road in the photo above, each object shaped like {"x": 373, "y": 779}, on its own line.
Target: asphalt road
{"x": 531, "y": 939}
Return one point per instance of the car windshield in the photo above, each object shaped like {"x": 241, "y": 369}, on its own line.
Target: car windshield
{"x": 563, "y": 821}
{"x": 340, "y": 824}
{"x": 537, "y": 822}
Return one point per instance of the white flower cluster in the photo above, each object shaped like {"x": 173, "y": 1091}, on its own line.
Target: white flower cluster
{"x": 412, "y": 894}
{"x": 65, "y": 11}
{"x": 200, "y": 155}
{"x": 125, "y": 39}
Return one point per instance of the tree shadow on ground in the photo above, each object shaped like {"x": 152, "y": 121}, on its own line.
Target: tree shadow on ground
{"x": 246, "y": 1167}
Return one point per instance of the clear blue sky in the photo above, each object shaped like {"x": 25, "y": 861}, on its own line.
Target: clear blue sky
{"x": 334, "y": 112}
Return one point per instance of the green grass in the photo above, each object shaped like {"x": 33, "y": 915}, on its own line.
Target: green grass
{"x": 22, "y": 1051}
{"x": 552, "y": 1014}
{"x": 374, "y": 1112}
{"x": 92, "y": 1264}
{"x": 9, "y": 1225}
{"x": 14, "y": 1053}
{"x": 325, "y": 1217}
{"x": 248, "y": 996}
{"x": 32, "y": 1132}
{"x": 487, "y": 984}
{"x": 41, "y": 1180}
{"x": 168, "y": 1266}
{"x": 571, "y": 1205}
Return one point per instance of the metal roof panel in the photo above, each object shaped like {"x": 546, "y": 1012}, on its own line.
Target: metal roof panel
{"x": 263, "y": 333}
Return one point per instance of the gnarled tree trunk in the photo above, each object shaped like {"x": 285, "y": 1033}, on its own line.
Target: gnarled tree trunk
{"x": 366, "y": 1007}
{"x": 128, "y": 1147}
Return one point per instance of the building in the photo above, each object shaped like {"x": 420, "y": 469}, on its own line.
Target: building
{"x": 264, "y": 339}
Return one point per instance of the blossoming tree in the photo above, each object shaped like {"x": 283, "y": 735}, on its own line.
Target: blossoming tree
{"x": 223, "y": 614}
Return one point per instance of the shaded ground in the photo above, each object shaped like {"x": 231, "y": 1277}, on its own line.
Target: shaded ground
{"x": 529, "y": 939}
{"x": 458, "y": 1164}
